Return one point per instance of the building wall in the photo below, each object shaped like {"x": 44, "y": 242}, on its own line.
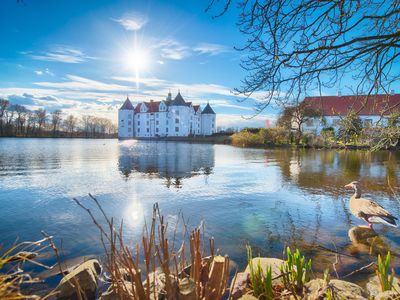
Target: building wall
{"x": 168, "y": 121}
{"x": 315, "y": 125}
{"x": 125, "y": 124}
{"x": 208, "y": 124}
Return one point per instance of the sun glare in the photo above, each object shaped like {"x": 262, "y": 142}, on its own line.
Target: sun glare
{"x": 137, "y": 60}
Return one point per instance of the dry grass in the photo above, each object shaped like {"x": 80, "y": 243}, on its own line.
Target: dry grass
{"x": 12, "y": 275}
{"x": 202, "y": 276}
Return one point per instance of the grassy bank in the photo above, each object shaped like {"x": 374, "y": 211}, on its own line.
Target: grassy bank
{"x": 368, "y": 138}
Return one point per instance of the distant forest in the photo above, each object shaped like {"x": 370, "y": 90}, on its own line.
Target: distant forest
{"x": 18, "y": 121}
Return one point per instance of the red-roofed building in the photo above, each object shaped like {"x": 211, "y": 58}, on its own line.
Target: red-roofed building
{"x": 164, "y": 118}
{"x": 373, "y": 110}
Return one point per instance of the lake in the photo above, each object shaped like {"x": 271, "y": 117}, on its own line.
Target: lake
{"x": 266, "y": 198}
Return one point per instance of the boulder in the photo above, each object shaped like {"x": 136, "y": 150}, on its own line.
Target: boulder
{"x": 82, "y": 279}
{"x": 374, "y": 286}
{"x": 317, "y": 289}
{"x": 240, "y": 285}
{"x": 265, "y": 262}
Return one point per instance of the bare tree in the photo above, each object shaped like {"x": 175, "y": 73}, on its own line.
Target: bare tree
{"x": 293, "y": 118}
{"x": 41, "y": 116}
{"x": 20, "y": 120}
{"x": 70, "y": 124}
{"x": 56, "y": 120}
{"x": 3, "y": 106}
{"x": 294, "y": 47}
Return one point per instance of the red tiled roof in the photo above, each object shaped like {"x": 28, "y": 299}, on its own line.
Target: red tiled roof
{"x": 366, "y": 106}
{"x": 137, "y": 108}
{"x": 152, "y": 106}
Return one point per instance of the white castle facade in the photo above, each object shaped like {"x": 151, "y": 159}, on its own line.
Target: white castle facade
{"x": 167, "y": 118}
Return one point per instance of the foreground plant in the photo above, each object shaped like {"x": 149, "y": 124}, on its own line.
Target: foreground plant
{"x": 133, "y": 272}
{"x": 261, "y": 282}
{"x": 295, "y": 271}
{"x": 385, "y": 280}
{"x": 12, "y": 275}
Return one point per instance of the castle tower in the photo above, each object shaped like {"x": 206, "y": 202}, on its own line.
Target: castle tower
{"x": 125, "y": 120}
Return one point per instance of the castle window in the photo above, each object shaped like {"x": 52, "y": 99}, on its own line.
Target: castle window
{"x": 166, "y": 129}
{"x": 147, "y": 123}
{"x": 176, "y": 129}
{"x": 129, "y": 123}
{"x": 148, "y": 130}
{"x": 138, "y": 122}
{"x": 138, "y": 130}
{"x": 176, "y": 121}
{"x": 156, "y": 129}
{"x": 157, "y": 116}
{"x": 129, "y": 129}
{"x": 157, "y": 122}
{"x": 177, "y": 112}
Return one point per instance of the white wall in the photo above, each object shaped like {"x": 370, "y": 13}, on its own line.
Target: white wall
{"x": 125, "y": 124}
{"x": 315, "y": 125}
{"x": 208, "y": 124}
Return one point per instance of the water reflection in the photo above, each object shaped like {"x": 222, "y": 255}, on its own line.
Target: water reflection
{"x": 328, "y": 171}
{"x": 170, "y": 161}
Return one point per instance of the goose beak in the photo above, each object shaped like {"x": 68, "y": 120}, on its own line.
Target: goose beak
{"x": 348, "y": 185}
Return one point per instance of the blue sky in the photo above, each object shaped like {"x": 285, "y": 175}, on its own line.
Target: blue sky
{"x": 85, "y": 56}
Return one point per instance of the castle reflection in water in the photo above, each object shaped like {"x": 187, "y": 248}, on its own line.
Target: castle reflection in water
{"x": 170, "y": 161}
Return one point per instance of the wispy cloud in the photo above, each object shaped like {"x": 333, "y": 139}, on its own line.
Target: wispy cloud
{"x": 42, "y": 72}
{"x": 172, "y": 49}
{"x": 132, "y": 22}
{"x": 210, "y": 49}
{"x": 78, "y": 83}
{"x": 62, "y": 54}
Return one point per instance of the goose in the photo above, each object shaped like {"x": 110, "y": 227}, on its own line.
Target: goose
{"x": 368, "y": 210}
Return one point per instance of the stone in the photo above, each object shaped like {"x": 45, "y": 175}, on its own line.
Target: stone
{"x": 187, "y": 289}
{"x": 110, "y": 294}
{"x": 316, "y": 289}
{"x": 240, "y": 285}
{"x": 374, "y": 286}
{"x": 248, "y": 297}
{"x": 274, "y": 263}
{"x": 388, "y": 295}
{"x": 82, "y": 279}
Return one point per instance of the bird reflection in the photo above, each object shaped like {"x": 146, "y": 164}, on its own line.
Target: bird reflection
{"x": 170, "y": 161}
{"x": 366, "y": 240}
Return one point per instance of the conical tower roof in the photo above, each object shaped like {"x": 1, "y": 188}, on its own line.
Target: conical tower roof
{"x": 127, "y": 105}
{"x": 179, "y": 101}
{"x": 208, "y": 110}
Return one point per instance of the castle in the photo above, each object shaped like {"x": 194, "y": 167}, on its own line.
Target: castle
{"x": 165, "y": 119}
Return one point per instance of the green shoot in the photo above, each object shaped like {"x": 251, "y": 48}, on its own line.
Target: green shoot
{"x": 261, "y": 282}
{"x": 295, "y": 271}
{"x": 385, "y": 280}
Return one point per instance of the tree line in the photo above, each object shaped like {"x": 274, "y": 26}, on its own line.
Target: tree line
{"x": 18, "y": 121}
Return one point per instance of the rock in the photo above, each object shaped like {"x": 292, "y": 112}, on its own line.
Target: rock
{"x": 158, "y": 284}
{"x": 67, "y": 266}
{"x": 82, "y": 279}
{"x": 110, "y": 294}
{"x": 248, "y": 297}
{"x": 388, "y": 295}
{"x": 374, "y": 287}
{"x": 365, "y": 239}
{"x": 274, "y": 263}
{"x": 342, "y": 289}
{"x": 187, "y": 289}
{"x": 240, "y": 285}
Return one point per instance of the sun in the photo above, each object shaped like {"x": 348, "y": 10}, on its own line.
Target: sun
{"x": 137, "y": 60}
